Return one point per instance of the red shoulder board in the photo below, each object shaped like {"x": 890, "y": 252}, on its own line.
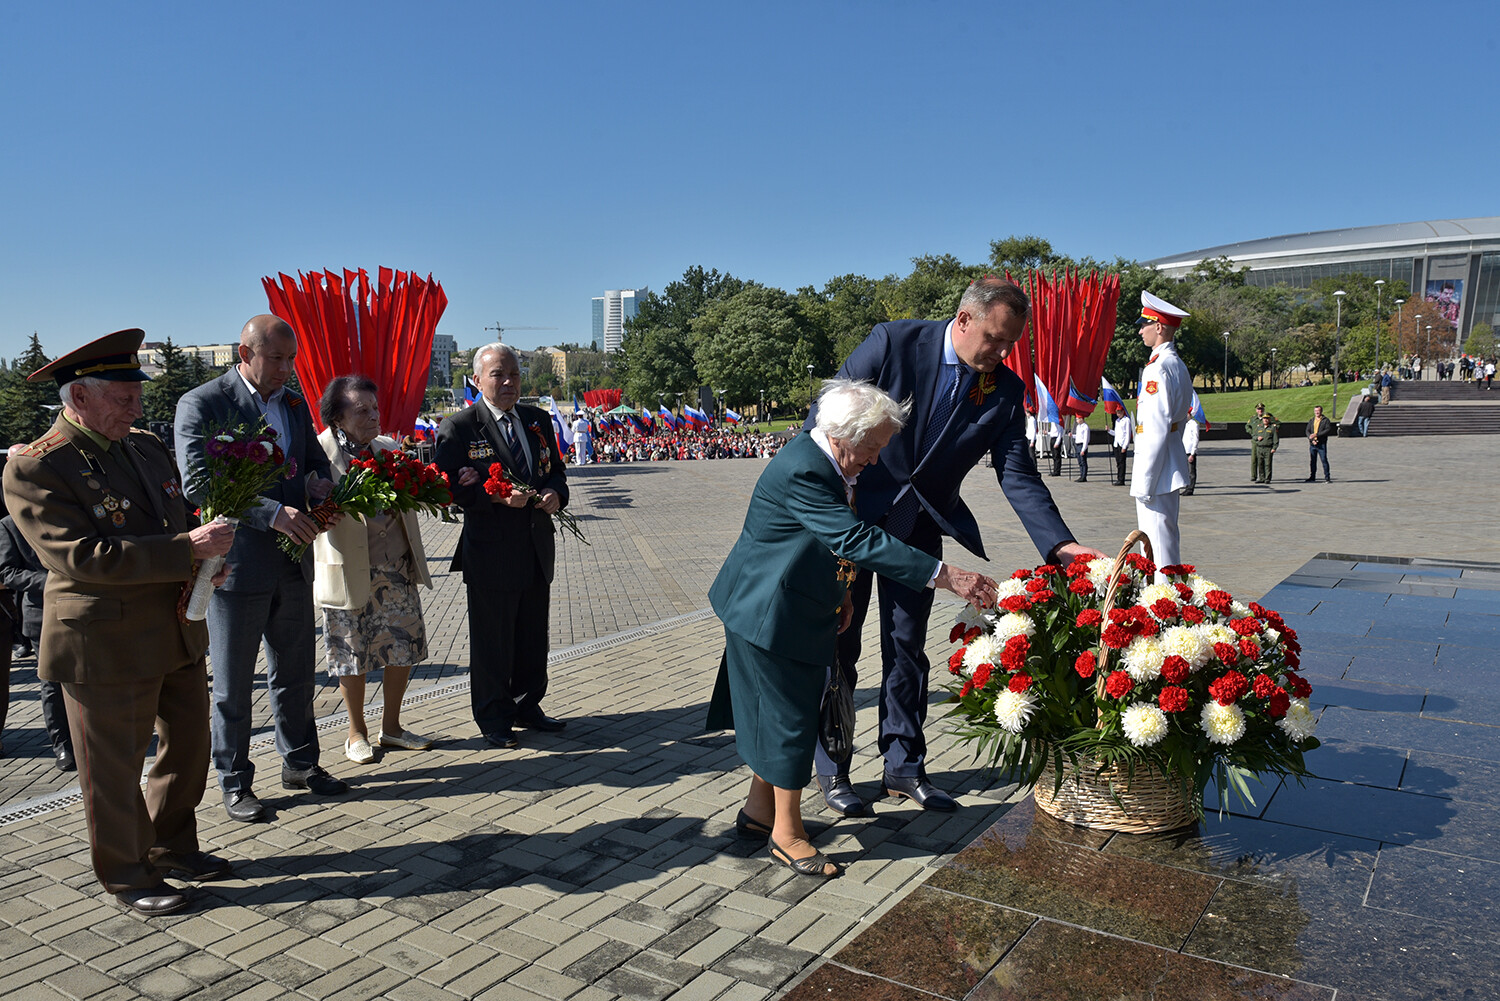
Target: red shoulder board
{"x": 1151, "y": 386}
{"x": 1153, "y": 359}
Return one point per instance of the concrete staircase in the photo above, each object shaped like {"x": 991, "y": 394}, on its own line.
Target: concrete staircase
{"x": 1432, "y": 407}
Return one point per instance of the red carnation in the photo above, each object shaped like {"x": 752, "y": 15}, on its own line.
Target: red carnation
{"x": 1143, "y": 565}
{"x": 966, "y": 690}
{"x": 1013, "y": 654}
{"x": 1250, "y": 648}
{"x": 956, "y": 661}
{"x": 1164, "y": 608}
{"x": 1219, "y": 601}
{"x": 1245, "y": 627}
{"x": 1085, "y": 664}
{"x": 1148, "y": 627}
{"x": 1183, "y": 591}
{"x": 1016, "y": 603}
{"x": 1116, "y": 636}
{"x": 1019, "y": 683}
{"x": 1081, "y": 585}
{"x": 1178, "y": 569}
{"x": 1036, "y": 584}
{"x": 972, "y": 634}
{"x": 1089, "y": 618}
{"x": 1263, "y": 686}
{"x": 1300, "y": 687}
{"x": 1280, "y": 703}
{"x": 1049, "y": 569}
{"x": 957, "y": 632}
{"x": 1192, "y": 614}
{"x": 1043, "y": 596}
{"x": 1173, "y": 699}
{"x": 1020, "y": 575}
{"x": 1118, "y": 685}
{"x": 1292, "y": 660}
{"x": 982, "y": 675}
{"x": 1175, "y": 670}
{"x": 1230, "y": 686}
{"x": 1226, "y": 653}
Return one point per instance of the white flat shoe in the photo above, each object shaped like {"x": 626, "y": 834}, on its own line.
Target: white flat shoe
{"x": 359, "y": 751}
{"x": 406, "y": 740}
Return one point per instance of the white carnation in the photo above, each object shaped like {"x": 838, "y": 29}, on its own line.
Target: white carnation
{"x": 1270, "y": 635}
{"x": 1223, "y": 724}
{"x": 1189, "y": 643}
{"x": 970, "y": 617}
{"x": 1299, "y": 721}
{"x": 984, "y": 650}
{"x": 1144, "y": 724}
{"x": 1239, "y": 609}
{"x": 1142, "y": 658}
{"x": 1013, "y": 709}
{"x": 1012, "y": 624}
{"x": 1009, "y": 588}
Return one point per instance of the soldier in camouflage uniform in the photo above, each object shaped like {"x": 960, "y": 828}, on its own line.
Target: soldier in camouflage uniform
{"x": 1263, "y": 443}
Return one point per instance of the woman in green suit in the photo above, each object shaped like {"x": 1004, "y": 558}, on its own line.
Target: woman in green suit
{"x": 782, "y": 596}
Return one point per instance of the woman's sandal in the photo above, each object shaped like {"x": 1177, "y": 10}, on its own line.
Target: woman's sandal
{"x": 749, "y": 828}
{"x": 816, "y": 864}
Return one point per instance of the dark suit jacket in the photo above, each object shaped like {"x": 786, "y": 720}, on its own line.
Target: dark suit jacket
{"x": 23, "y": 574}
{"x": 117, "y": 554}
{"x": 255, "y": 562}
{"x": 779, "y": 588}
{"x": 902, "y": 357}
{"x": 496, "y": 539}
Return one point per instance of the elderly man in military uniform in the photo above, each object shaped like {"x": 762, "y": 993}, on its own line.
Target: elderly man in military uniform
{"x": 102, "y": 504}
{"x": 1165, "y": 401}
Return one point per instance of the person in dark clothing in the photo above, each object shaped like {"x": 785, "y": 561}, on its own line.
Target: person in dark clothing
{"x": 23, "y": 577}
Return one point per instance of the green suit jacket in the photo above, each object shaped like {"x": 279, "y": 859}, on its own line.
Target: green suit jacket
{"x": 779, "y": 589}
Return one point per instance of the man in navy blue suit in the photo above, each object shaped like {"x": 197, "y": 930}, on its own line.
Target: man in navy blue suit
{"x": 965, "y": 404}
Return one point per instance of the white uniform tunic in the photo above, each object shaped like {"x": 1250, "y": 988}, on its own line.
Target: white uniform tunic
{"x": 1161, "y": 469}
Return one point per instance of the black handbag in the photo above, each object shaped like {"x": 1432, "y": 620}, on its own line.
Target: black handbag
{"x": 836, "y": 719}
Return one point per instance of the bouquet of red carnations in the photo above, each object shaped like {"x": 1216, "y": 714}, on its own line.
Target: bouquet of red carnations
{"x": 393, "y": 480}
{"x": 1176, "y": 676}
{"x": 502, "y": 484}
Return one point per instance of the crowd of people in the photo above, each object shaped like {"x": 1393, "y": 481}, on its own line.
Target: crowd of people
{"x": 711, "y": 443}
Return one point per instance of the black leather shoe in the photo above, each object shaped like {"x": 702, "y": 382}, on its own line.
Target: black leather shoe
{"x": 200, "y": 866}
{"x": 153, "y": 900}
{"x": 315, "y": 780}
{"x": 64, "y": 756}
{"x": 535, "y": 719}
{"x": 244, "y": 807}
{"x": 840, "y": 796}
{"x": 502, "y": 738}
{"x": 917, "y": 788}
{"x": 1311, "y": 479}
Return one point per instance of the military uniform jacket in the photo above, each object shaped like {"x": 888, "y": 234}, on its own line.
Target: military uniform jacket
{"x": 111, "y": 530}
{"x": 496, "y": 539}
{"x": 1165, "y": 401}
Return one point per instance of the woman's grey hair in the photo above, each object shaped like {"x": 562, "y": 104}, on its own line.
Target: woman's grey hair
{"x": 65, "y": 391}
{"x": 849, "y": 409}
{"x": 495, "y": 347}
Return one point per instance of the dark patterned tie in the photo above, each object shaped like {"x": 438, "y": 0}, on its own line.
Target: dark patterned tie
{"x": 903, "y": 516}
{"x": 523, "y": 469}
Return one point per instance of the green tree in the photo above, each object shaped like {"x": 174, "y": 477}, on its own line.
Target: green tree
{"x": 1019, "y": 254}
{"x": 752, "y": 341}
{"x": 656, "y": 354}
{"x": 932, "y": 290}
{"x": 27, "y": 409}
{"x": 1481, "y": 341}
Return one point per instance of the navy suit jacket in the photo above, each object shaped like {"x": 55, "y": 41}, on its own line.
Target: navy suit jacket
{"x": 902, "y": 357}
{"x": 255, "y": 562}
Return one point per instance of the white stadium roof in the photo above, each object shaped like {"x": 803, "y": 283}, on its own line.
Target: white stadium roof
{"x": 1440, "y": 236}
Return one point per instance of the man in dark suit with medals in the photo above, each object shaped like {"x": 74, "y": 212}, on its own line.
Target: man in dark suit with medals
{"x": 267, "y": 597}
{"x": 507, "y": 546}
{"x": 965, "y": 404}
{"x": 102, "y": 505}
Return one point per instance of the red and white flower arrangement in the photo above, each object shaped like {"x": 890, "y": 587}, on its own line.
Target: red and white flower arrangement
{"x": 1177, "y": 676}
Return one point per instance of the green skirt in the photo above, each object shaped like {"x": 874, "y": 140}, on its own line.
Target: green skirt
{"x": 773, "y": 707}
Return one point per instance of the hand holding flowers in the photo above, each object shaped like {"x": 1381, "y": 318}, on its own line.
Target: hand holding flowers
{"x": 507, "y": 490}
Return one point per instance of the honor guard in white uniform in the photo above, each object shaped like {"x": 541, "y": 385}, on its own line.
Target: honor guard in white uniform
{"x": 1164, "y": 402}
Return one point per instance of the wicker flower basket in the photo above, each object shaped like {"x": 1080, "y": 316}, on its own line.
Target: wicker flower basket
{"x": 1113, "y": 800}
{"x": 1108, "y": 797}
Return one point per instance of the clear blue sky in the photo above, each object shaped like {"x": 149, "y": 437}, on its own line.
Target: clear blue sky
{"x": 159, "y": 159}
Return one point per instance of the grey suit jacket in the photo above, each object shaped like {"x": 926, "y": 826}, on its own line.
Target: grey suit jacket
{"x": 255, "y": 561}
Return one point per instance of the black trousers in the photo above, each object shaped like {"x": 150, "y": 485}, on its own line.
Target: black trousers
{"x": 1119, "y": 464}
{"x": 507, "y": 652}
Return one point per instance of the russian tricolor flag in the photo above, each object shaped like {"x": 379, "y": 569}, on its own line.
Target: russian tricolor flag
{"x": 695, "y": 417}
{"x": 1197, "y": 413}
{"x": 1046, "y": 406}
{"x": 666, "y": 417}
{"x": 731, "y": 416}
{"x": 1114, "y": 404}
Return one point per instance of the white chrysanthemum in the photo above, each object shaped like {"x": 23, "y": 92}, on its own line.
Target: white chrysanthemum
{"x": 1216, "y": 632}
{"x": 1142, "y": 658}
{"x": 1144, "y": 724}
{"x": 1239, "y": 609}
{"x": 1187, "y": 642}
{"x": 984, "y": 650}
{"x": 1223, "y": 724}
{"x": 1201, "y": 586}
{"x": 1012, "y": 624}
{"x": 1013, "y": 709}
{"x": 1299, "y": 721}
{"x": 1152, "y": 593}
{"x": 1099, "y": 574}
{"x": 1009, "y": 588}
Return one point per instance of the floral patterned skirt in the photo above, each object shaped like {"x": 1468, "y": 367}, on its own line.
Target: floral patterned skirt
{"x": 388, "y": 631}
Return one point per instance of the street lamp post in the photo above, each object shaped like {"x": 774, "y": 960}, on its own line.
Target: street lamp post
{"x": 811, "y": 388}
{"x": 1338, "y": 319}
{"x": 1225, "y": 387}
{"x": 1378, "y": 282}
{"x": 1273, "y": 368}
{"x": 761, "y": 413}
{"x": 1398, "y": 332}
{"x": 1429, "y": 345}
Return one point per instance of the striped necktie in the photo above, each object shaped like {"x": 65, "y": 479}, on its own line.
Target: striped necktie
{"x": 523, "y": 469}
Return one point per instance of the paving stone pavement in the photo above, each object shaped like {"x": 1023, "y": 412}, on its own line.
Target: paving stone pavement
{"x": 602, "y": 862}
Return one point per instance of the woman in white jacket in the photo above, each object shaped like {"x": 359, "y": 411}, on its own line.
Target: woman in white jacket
{"x": 367, "y": 577}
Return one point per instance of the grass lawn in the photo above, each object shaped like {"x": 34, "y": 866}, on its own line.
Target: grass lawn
{"x": 1291, "y": 405}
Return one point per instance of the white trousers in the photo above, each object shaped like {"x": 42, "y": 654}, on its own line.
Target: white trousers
{"x": 1157, "y": 517}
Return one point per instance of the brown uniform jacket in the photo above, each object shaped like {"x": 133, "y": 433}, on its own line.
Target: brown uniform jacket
{"x": 113, "y": 535}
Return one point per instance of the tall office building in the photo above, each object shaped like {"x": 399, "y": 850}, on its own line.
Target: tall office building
{"x": 441, "y": 371}
{"x": 611, "y": 310}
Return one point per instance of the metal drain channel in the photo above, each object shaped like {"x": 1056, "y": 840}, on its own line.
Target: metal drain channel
{"x": 70, "y": 796}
